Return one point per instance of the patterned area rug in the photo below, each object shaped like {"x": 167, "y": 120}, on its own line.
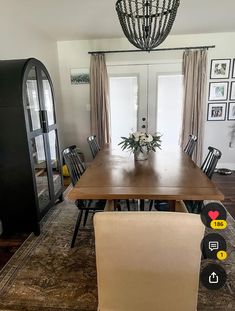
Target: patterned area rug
{"x": 46, "y": 275}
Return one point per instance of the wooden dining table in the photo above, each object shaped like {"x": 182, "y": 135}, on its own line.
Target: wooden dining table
{"x": 166, "y": 175}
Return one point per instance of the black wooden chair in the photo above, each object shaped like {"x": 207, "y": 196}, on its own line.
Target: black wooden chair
{"x": 209, "y": 164}
{"x": 76, "y": 168}
{"x": 93, "y": 144}
{"x": 191, "y": 144}
{"x": 159, "y": 205}
{"x": 208, "y": 167}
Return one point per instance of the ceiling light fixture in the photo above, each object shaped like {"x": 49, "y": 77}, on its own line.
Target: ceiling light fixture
{"x": 146, "y": 23}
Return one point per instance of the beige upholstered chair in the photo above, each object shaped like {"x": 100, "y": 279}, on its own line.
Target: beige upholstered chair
{"x": 148, "y": 261}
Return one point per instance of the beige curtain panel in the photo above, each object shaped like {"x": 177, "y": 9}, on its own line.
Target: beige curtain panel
{"x": 195, "y": 73}
{"x": 99, "y": 94}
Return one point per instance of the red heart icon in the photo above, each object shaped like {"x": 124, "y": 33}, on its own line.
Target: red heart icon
{"x": 213, "y": 214}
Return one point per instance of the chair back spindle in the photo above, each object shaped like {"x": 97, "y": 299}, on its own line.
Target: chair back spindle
{"x": 74, "y": 164}
{"x": 208, "y": 166}
{"x": 210, "y": 162}
{"x": 191, "y": 144}
{"x": 93, "y": 144}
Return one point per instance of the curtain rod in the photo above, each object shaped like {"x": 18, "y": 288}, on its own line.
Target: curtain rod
{"x": 155, "y": 50}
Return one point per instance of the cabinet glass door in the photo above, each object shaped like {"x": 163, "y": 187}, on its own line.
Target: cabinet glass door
{"x": 32, "y": 104}
{"x": 48, "y": 99}
{"x": 54, "y": 151}
{"x": 40, "y": 170}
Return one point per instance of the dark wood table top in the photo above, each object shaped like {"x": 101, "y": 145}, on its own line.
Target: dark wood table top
{"x": 166, "y": 175}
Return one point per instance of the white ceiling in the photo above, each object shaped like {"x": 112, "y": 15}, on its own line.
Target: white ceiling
{"x": 91, "y": 19}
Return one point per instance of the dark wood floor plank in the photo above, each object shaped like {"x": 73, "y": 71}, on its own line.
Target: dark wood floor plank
{"x": 226, "y": 184}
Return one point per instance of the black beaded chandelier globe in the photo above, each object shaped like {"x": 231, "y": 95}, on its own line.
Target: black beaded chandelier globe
{"x": 146, "y": 23}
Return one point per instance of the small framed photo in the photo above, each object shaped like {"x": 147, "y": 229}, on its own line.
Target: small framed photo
{"x": 220, "y": 68}
{"x": 79, "y": 76}
{"x": 218, "y": 91}
{"x": 216, "y": 111}
{"x": 232, "y": 91}
{"x": 231, "y": 111}
{"x": 233, "y": 70}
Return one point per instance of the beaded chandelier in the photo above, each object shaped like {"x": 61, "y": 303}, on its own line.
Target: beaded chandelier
{"x": 146, "y": 23}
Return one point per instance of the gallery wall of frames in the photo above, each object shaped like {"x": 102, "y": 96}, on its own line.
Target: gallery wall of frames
{"x": 221, "y": 94}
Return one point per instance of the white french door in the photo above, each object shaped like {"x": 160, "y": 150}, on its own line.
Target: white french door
{"x": 165, "y": 101}
{"x": 146, "y": 98}
{"x": 128, "y": 99}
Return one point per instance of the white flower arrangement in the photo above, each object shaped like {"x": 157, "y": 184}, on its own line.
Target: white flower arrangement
{"x": 139, "y": 141}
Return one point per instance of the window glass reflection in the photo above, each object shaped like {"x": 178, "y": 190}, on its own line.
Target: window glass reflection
{"x": 32, "y": 106}
{"x": 54, "y": 161}
{"x": 41, "y": 173}
{"x": 48, "y": 99}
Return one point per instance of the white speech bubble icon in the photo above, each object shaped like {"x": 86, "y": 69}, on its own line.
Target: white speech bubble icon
{"x": 213, "y": 245}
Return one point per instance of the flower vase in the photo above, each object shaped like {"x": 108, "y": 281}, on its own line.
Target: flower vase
{"x": 141, "y": 154}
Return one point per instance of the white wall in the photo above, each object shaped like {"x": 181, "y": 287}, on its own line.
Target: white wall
{"x": 19, "y": 42}
{"x": 76, "y": 115}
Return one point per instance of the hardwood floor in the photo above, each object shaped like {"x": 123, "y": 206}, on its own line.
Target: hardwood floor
{"x": 9, "y": 245}
{"x": 226, "y": 184}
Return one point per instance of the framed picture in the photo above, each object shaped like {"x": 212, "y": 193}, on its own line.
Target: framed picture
{"x": 233, "y": 70}
{"x": 216, "y": 111}
{"x": 218, "y": 91}
{"x": 79, "y": 76}
{"x": 231, "y": 111}
{"x": 232, "y": 91}
{"x": 220, "y": 68}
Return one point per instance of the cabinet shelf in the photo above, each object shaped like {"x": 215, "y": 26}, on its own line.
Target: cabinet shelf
{"x": 39, "y": 172}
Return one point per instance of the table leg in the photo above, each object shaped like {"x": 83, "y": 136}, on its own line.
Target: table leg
{"x": 109, "y": 206}
{"x": 172, "y": 206}
{"x": 141, "y": 205}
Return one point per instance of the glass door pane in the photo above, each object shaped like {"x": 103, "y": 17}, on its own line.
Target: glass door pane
{"x": 169, "y": 109}
{"x": 40, "y": 170}
{"x": 33, "y": 101}
{"x": 123, "y": 103}
{"x": 165, "y": 101}
{"x": 54, "y": 151}
{"x": 48, "y": 99}
{"x": 128, "y": 100}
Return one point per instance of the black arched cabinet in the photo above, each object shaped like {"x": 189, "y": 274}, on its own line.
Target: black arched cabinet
{"x": 30, "y": 165}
